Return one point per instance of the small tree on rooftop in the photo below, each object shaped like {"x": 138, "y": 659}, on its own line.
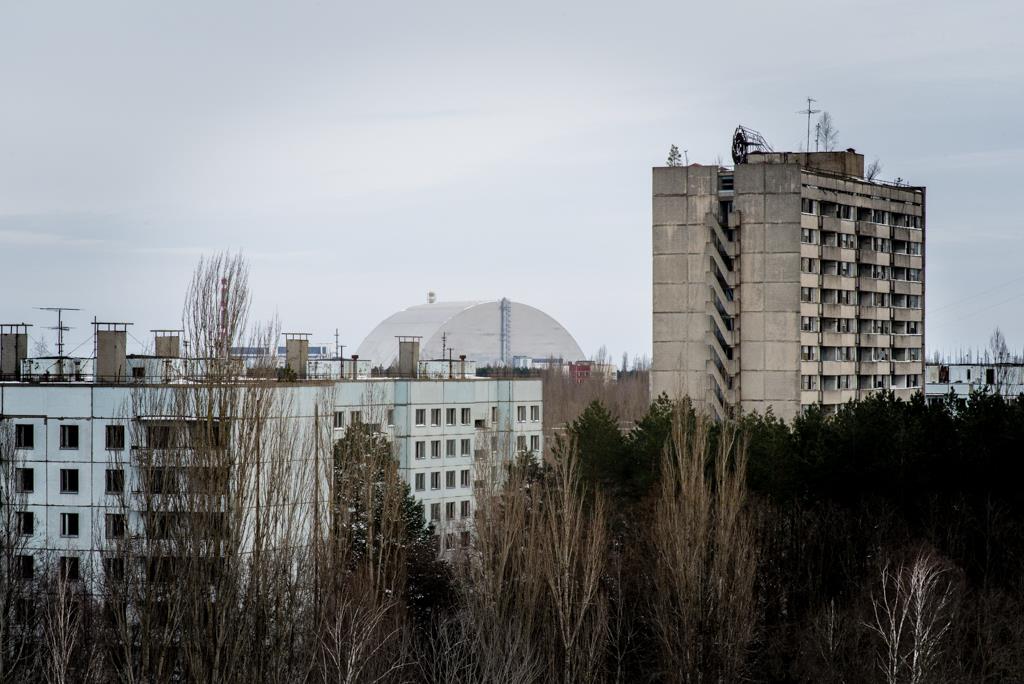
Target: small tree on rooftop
{"x": 674, "y": 158}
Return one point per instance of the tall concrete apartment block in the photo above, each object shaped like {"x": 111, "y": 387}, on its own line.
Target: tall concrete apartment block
{"x": 786, "y": 281}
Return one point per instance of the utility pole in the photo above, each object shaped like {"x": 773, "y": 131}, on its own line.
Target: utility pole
{"x": 809, "y": 111}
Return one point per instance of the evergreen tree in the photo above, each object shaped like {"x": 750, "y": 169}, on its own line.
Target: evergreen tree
{"x": 674, "y": 158}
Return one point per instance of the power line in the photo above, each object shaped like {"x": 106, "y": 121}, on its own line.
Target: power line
{"x": 974, "y": 296}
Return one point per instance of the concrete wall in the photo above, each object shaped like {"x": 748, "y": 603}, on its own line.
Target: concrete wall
{"x": 768, "y": 199}
{"x": 682, "y": 198}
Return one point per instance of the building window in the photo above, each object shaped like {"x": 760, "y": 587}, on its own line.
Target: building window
{"x": 435, "y": 417}
{"x": 464, "y": 478}
{"x": 420, "y": 482}
{"x": 808, "y": 294}
{"x": 808, "y": 206}
{"x": 115, "y": 481}
{"x": 449, "y": 448}
{"x": 435, "y": 479}
{"x": 24, "y": 436}
{"x": 449, "y": 416}
{"x": 464, "y": 509}
{"x": 466, "y": 416}
{"x": 26, "y": 522}
{"x": 521, "y": 443}
{"x": 355, "y": 417}
{"x": 534, "y": 443}
{"x": 421, "y": 416}
{"x": 69, "y": 524}
{"x": 809, "y": 323}
{"x": 421, "y": 449}
{"x": 24, "y": 480}
{"x": 115, "y": 437}
{"x": 808, "y": 236}
{"x": 114, "y": 525}
{"x": 494, "y": 414}
{"x": 391, "y": 416}
{"x": 435, "y": 512}
{"x": 808, "y": 265}
{"x": 26, "y": 567}
{"x": 808, "y": 353}
{"x": 113, "y": 568}
{"x": 69, "y": 568}
{"x": 68, "y": 436}
{"x": 449, "y": 479}
{"x": 69, "y": 481}
{"x": 520, "y": 414}
{"x": 435, "y": 448}
{"x": 466, "y": 448}
{"x": 449, "y": 510}
{"x": 809, "y": 382}
{"x": 535, "y": 413}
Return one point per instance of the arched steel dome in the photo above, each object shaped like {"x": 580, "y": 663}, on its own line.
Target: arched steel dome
{"x": 473, "y": 329}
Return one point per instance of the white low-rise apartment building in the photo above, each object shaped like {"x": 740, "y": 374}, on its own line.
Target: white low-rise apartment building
{"x": 78, "y": 429}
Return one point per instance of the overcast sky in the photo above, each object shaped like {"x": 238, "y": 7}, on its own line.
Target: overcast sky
{"x": 363, "y": 153}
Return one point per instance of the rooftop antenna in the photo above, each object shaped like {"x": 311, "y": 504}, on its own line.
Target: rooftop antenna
{"x": 444, "y": 343}
{"x": 686, "y": 157}
{"x": 337, "y": 347}
{"x": 60, "y": 327}
{"x": 808, "y": 112}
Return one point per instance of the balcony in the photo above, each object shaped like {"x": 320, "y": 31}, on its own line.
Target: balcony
{"x": 832, "y": 339}
{"x": 838, "y": 282}
{"x": 906, "y": 341}
{"x": 874, "y": 340}
{"x": 908, "y": 287}
{"x": 838, "y": 310}
{"x": 870, "y": 256}
{"x": 903, "y": 314}
{"x": 874, "y": 284}
{"x": 907, "y": 260}
{"x": 875, "y": 368}
{"x": 838, "y": 368}
{"x": 869, "y": 229}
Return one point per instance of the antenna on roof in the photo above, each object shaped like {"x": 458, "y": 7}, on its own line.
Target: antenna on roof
{"x": 808, "y": 112}
{"x": 744, "y": 140}
{"x": 60, "y": 327}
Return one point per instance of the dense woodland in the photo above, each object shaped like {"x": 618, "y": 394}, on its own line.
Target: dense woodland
{"x": 882, "y": 544}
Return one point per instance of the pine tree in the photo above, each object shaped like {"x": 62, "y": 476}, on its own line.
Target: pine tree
{"x": 674, "y": 158}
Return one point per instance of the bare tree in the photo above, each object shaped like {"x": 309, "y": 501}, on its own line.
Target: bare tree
{"x": 703, "y": 595}
{"x": 1001, "y": 359}
{"x": 912, "y": 614}
{"x": 827, "y": 133}
{"x": 874, "y": 170}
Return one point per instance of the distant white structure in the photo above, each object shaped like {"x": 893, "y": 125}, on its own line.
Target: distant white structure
{"x": 963, "y": 378}
{"x": 490, "y": 333}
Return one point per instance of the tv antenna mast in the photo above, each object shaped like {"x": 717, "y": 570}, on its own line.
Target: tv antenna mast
{"x": 60, "y": 327}
{"x": 809, "y": 111}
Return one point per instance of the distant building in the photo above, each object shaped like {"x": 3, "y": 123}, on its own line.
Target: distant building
{"x": 492, "y": 333}
{"x": 786, "y": 281}
{"x": 963, "y": 378}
